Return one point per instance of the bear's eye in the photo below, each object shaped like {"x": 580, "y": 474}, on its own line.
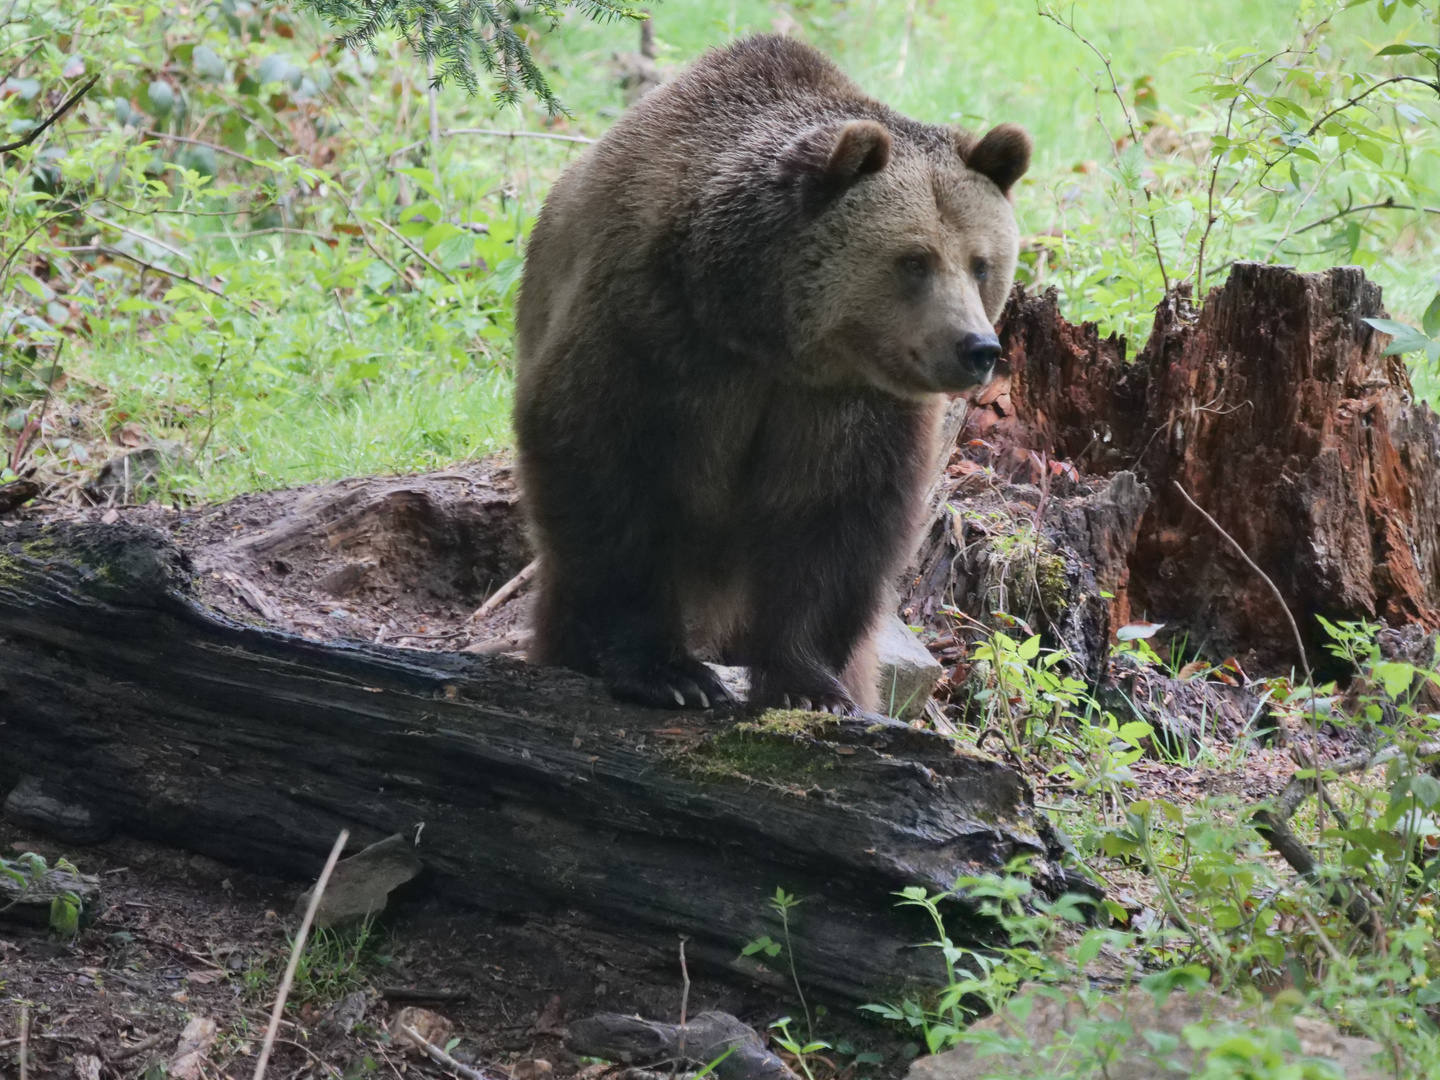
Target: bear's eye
{"x": 916, "y": 264}
{"x": 981, "y": 269}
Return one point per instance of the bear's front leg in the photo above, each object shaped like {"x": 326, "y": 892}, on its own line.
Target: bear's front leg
{"x": 819, "y": 587}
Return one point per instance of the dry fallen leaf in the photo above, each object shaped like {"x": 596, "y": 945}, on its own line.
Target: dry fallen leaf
{"x": 534, "y": 1069}
{"x": 430, "y": 1026}
{"x": 1136, "y": 630}
{"x": 187, "y": 1062}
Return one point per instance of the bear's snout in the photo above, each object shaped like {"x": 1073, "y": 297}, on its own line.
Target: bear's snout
{"x": 977, "y": 354}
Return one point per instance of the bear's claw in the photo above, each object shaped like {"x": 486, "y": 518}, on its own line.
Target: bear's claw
{"x": 685, "y": 684}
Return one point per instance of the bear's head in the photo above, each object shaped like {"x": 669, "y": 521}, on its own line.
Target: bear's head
{"x": 908, "y": 256}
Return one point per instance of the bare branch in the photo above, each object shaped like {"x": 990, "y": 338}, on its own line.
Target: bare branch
{"x": 1388, "y": 204}
{"x": 35, "y": 133}
{"x": 1361, "y": 97}
{"x": 415, "y": 251}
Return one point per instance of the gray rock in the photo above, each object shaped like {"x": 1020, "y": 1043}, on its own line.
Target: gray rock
{"x": 126, "y": 476}
{"x": 361, "y": 885}
{"x": 35, "y": 804}
{"x": 1056, "y": 1033}
{"x": 908, "y": 673}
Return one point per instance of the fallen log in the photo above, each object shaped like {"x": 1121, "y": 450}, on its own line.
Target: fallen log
{"x": 144, "y": 712}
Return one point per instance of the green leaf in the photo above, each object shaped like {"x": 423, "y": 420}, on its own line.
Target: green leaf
{"x": 1406, "y": 339}
{"x": 1430, "y": 321}
{"x": 1089, "y": 947}
{"x": 1395, "y": 677}
{"x": 437, "y": 234}
{"x": 758, "y": 945}
{"x": 207, "y": 64}
{"x": 1029, "y": 648}
{"x": 30, "y": 285}
{"x": 65, "y": 916}
{"x": 1370, "y": 151}
{"x": 1426, "y": 790}
{"x": 161, "y": 99}
{"x": 1396, "y": 50}
{"x": 1134, "y": 732}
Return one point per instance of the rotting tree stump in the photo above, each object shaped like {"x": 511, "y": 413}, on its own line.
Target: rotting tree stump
{"x": 1274, "y": 408}
{"x": 152, "y": 715}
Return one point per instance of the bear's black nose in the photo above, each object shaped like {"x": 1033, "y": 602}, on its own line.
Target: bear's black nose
{"x": 978, "y": 352}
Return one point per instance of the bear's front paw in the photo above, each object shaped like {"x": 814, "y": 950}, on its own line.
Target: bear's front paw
{"x": 683, "y": 684}
{"x": 812, "y": 692}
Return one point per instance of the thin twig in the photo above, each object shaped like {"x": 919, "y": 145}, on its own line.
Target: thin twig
{"x": 1134, "y": 137}
{"x": 210, "y": 405}
{"x": 1210, "y": 216}
{"x": 905, "y": 40}
{"x": 217, "y": 147}
{"x": 343, "y": 317}
{"x": 147, "y": 1043}
{"x": 1324, "y": 937}
{"x": 288, "y": 230}
{"x": 439, "y": 1056}
{"x": 415, "y": 250}
{"x": 116, "y": 253}
{"x": 145, "y": 237}
{"x": 24, "y": 1042}
{"x": 684, "y": 994}
{"x": 432, "y": 92}
{"x": 65, "y": 107}
{"x": 1361, "y": 97}
{"x": 365, "y": 236}
{"x": 506, "y": 591}
{"x": 495, "y": 133}
{"x": 1388, "y": 204}
{"x": 1294, "y": 629}
{"x": 1299, "y": 645}
{"x": 295, "y": 950}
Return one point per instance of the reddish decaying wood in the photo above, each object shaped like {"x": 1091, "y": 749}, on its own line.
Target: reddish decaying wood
{"x": 1273, "y": 405}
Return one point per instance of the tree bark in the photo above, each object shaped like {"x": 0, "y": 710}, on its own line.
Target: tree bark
{"x": 1274, "y": 408}
{"x": 158, "y": 717}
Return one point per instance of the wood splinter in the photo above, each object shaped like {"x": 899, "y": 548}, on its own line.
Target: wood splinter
{"x": 506, "y": 591}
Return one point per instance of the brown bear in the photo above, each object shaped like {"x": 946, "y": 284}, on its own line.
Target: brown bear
{"x": 740, "y": 314}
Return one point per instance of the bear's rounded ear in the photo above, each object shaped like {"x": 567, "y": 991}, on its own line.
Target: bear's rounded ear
{"x": 1002, "y": 155}
{"x": 837, "y": 157}
{"x": 862, "y": 147}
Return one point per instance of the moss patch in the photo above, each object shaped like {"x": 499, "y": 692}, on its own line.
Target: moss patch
{"x": 792, "y": 722}
{"x": 1050, "y": 580}
{"x": 776, "y": 750}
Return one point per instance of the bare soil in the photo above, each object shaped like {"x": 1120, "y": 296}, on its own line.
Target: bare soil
{"x": 176, "y": 937}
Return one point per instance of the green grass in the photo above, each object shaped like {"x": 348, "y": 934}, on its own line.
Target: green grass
{"x": 312, "y": 429}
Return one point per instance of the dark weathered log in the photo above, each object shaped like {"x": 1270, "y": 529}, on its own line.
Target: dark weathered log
{"x": 709, "y": 1037}
{"x": 17, "y": 493}
{"x": 170, "y": 722}
{"x": 1274, "y": 408}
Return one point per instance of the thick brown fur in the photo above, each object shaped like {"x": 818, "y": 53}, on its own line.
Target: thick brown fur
{"x": 740, "y": 312}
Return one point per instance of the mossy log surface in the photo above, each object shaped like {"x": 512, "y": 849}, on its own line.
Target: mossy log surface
{"x": 123, "y": 696}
